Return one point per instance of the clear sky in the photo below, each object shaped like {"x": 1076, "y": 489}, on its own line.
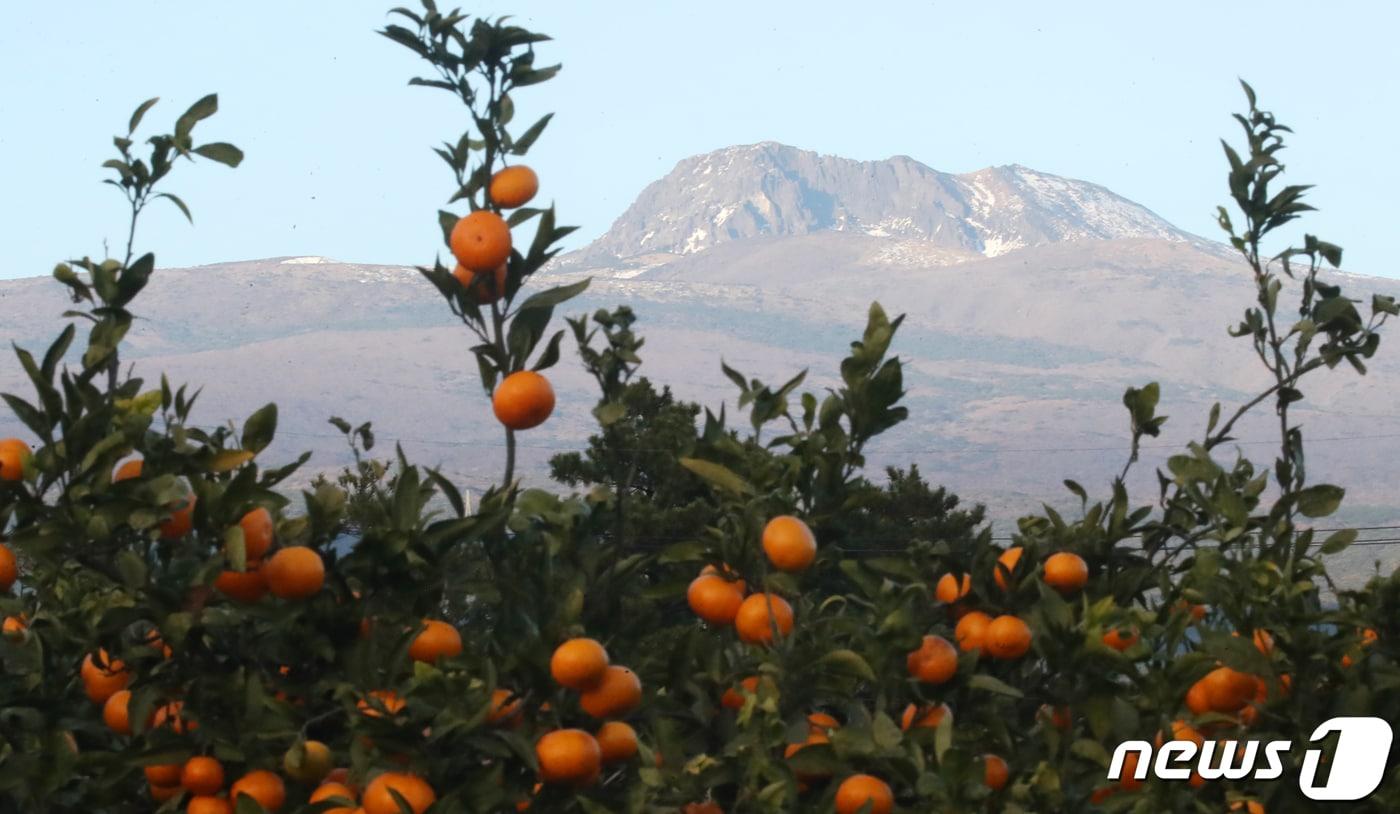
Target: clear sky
{"x": 1133, "y": 96}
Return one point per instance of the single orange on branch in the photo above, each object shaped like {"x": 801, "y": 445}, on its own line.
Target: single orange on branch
{"x": 481, "y": 241}
{"x": 759, "y": 615}
{"x": 971, "y": 631}
{"x": 950, "y": 588}
{"x": 14, "y": 456}
{"x": 379, "y": 797}
{"x": 9, "y": 568}
{"x": 523, "y": 400}
{"x": 295, "y": 572}
{"x": 935, "y": 662}
{"x": 617, "y": 694}
{"x": 863, "y": 792}
{"x": 257, "y": 533}
{"x": 579, "y": 664}
{"x": 1007, "y": 566}
{"x": 436, "y": 640}
{"x": 789, "y": 544}
{"x": 513, "y": 186}
{"x": 1007, "y": 637}
{"x": 1121, "y": 638}
{"x": 1066, "y": 572}
{"x": 568, "y": 757}
{"x": 264, "y": 787}
{"x": 916, "y": 717}
{"x": 714, "y": 599}
{"x": 617, "y": 742}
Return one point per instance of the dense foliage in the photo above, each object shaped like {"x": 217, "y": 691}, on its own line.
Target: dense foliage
{"x": 385, "y": 627}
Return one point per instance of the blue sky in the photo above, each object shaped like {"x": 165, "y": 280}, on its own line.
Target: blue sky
{"x": 1133, "y": 96}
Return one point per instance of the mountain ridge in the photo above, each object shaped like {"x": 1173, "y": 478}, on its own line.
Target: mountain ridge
{"x": 772, "y": 189}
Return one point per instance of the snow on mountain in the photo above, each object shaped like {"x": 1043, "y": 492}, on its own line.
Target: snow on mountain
{"x": 770, "y": 189}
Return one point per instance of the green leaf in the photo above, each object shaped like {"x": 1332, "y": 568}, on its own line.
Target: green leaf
{"x": 221, "y": 152}
{"x": 527, "y": 139}
{"x": 1338, "y": 541}
{"x": 554, "y": 296}
{"x": 140, "y": 112}
{"x": 1320, "y": 500}
{"x": 609, "y": 412}
{"x": 718, "y": 475}
{"x": 131, "y": 568}
{"x": 198, "y": 111}
{"x": 847, "y": 662}
{"x": 987, "y": 683}
{"x": 260, "y": 428}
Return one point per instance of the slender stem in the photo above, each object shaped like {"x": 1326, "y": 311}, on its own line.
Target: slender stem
{"x": 510, "y": 456}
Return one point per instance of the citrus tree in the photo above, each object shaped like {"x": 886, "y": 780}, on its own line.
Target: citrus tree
{"x": 724, "y": 618}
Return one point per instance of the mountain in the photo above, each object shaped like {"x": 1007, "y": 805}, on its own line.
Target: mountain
{"x": 769, "y": 189}
{"x": 1016, "y": 358}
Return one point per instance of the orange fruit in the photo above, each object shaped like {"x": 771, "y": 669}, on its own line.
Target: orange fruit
{"x": 295, "y": 572}
{"x": 734, "y": 699}
{"x": 14, "y": 455}
{"x": 1183, "y": 731}
{"x": 915, "y": 717}
{"x": 1228, "y": 690}
{"x": 1128, "y": 779}
{"x": 524, "y": 399}
{"x": 821, "y": 723}
{"x": 242, "y": 586}
{"x": 14, "y": 626}
{"x": 263, "y": 786}
{"x": 1066, "y": 572}
{"x": 129, "y": 470}
{"x": 714, "y": 599}
{"x": 579, "y": 664}
{"x": 202, "y": 775}
{"x": 728, "y": 573}
{"x": 755, "y": 621}
{"x": 331, "y": 789}
{"x": 209, "y": 804}
{"x": 181, "y": 520}
{"x": 1264, "y": 641}
{"x": 618, "y": 693}
{"x": 1058, "y": 716}
{"x": 257, "y": 533}
{"x": 934, "y": 662}
{"x": 1007, "y": 637}
{"x": 481, "y": 241}
{"x": 789, "y": 544}
{"x": 115, "y": 713}
{"x": 172, "y": 715}
{"x": 1009, "y": 558}
{"x": 995, "y": 772}
{"x": 505, "y": 707}
{"x": 863, "y": 792}
{"x": 435, "y": 641}
{"x": 1197, "y": 699}
{"x": 513, "y": 186}
{"x": 1121, "y": 638}
{"x": 1248, "y": 806}
{"x": 377, "y": 702}
{"x": 414, "y": 790}
{"x": 9, "y": 568}
{"x": 103, "y": 677}
{"x": 166, "y": 774}
{"x": 949, "y": 589}
{"x": 1102, "y": 793}
{"x": 485, "y": 286}
{"x": 971, "y": 630}
{"x": 568, "y": 756}
{"x": 315, "y": 762}
{"x": 162, "y": 793}
{"x": 707, "y": 807}
{"x": 616, "y": 742}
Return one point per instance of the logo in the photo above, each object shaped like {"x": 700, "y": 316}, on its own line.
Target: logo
{"x": 1355, "y": 769}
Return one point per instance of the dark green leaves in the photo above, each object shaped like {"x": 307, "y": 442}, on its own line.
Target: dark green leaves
{"x": 260, "y": 428}
{"x": 221, "y": 152}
